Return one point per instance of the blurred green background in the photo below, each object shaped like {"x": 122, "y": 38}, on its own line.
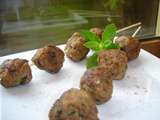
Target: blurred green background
{"x": 30, "y": 24}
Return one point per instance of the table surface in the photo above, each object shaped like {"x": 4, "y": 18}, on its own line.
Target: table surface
{"x": 135, "y": 97}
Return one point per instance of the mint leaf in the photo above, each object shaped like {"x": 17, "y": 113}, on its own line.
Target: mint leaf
{"x": 89, "y": 36}
{"x": 92, "y": 61}
{"x": 107, "y": 42}
{"x": 111, "y": 46}
{"x": 94, "y": 45}
{"x": 109, "y": 32}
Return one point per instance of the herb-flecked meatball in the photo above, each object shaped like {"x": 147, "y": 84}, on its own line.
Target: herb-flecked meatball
{"x": 115, "y": 58}
{"x": 74, "y": 104}
{"x": 129, "y": 45}
{"x": 15, "y": 72}
{"x": 75, "y": 50}
{"x": 98, "y": 83}
{"x": 97, "y": 31}
{"x": 49, "y": 58}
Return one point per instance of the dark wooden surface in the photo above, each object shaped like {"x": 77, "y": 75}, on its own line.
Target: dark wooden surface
{"x": 152, "y": 46}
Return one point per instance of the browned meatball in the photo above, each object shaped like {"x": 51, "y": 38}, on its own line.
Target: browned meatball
{"x": 115, "y": 58}
{"x": 74, "y": 104}
{"x": 49, "y": 58}
{"x": 74, "y": 47}
{"x": 15, "y": 72}
{"x": 97, "y": 31}
{"x": 98, "y": 83}
{"x": 130, "y": 45}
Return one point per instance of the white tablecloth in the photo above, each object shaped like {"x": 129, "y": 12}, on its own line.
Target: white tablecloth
{"x": 136, "y": 97}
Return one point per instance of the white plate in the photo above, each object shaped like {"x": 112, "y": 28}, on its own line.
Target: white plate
{"x": 136, "y": 97}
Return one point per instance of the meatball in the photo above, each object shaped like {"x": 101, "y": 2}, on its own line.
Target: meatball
{"x": 15, "y": 72}
{"x": 130, "y": 45}
{"x": 115, "y": 58}
{"x": 98, "y": 83}
{"x": 74, "y": 104}
{"x": 74, "y": 47}
{"x": 97, "y": 31}
{"x": 49, "y": 58}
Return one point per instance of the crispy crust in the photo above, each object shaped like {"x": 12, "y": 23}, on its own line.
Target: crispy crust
{"x": 74, "y": 47}
{"x": 49, "y": 58}
{"x": 74, "y": 104}
{"x": 15, "y": 72}
{"x": 129, "y": 45}
{"x": 98, "y": 83}
{"x": 115, "y": 58}
{"x": 97, "y": 31}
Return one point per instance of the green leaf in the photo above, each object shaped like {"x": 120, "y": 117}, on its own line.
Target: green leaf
{"x": 89, "y": 36}
{"x": 113, "y": 4}
{"x": 111, "y": 46}
{"x": 107, "y": 42}
{"x": 92, "y": 61}
{"x": 109, "y": 32}
{"x": 94, "y": 45}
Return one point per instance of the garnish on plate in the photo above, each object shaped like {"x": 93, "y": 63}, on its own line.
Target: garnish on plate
{"x": 97, "y": 44}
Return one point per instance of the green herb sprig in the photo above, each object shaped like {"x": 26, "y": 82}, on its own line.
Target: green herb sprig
{"x": 97, "y": 44}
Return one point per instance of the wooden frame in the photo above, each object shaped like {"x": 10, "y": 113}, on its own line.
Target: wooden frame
{"x": 152, "y": 46}
{"x": 158, "y": 22}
